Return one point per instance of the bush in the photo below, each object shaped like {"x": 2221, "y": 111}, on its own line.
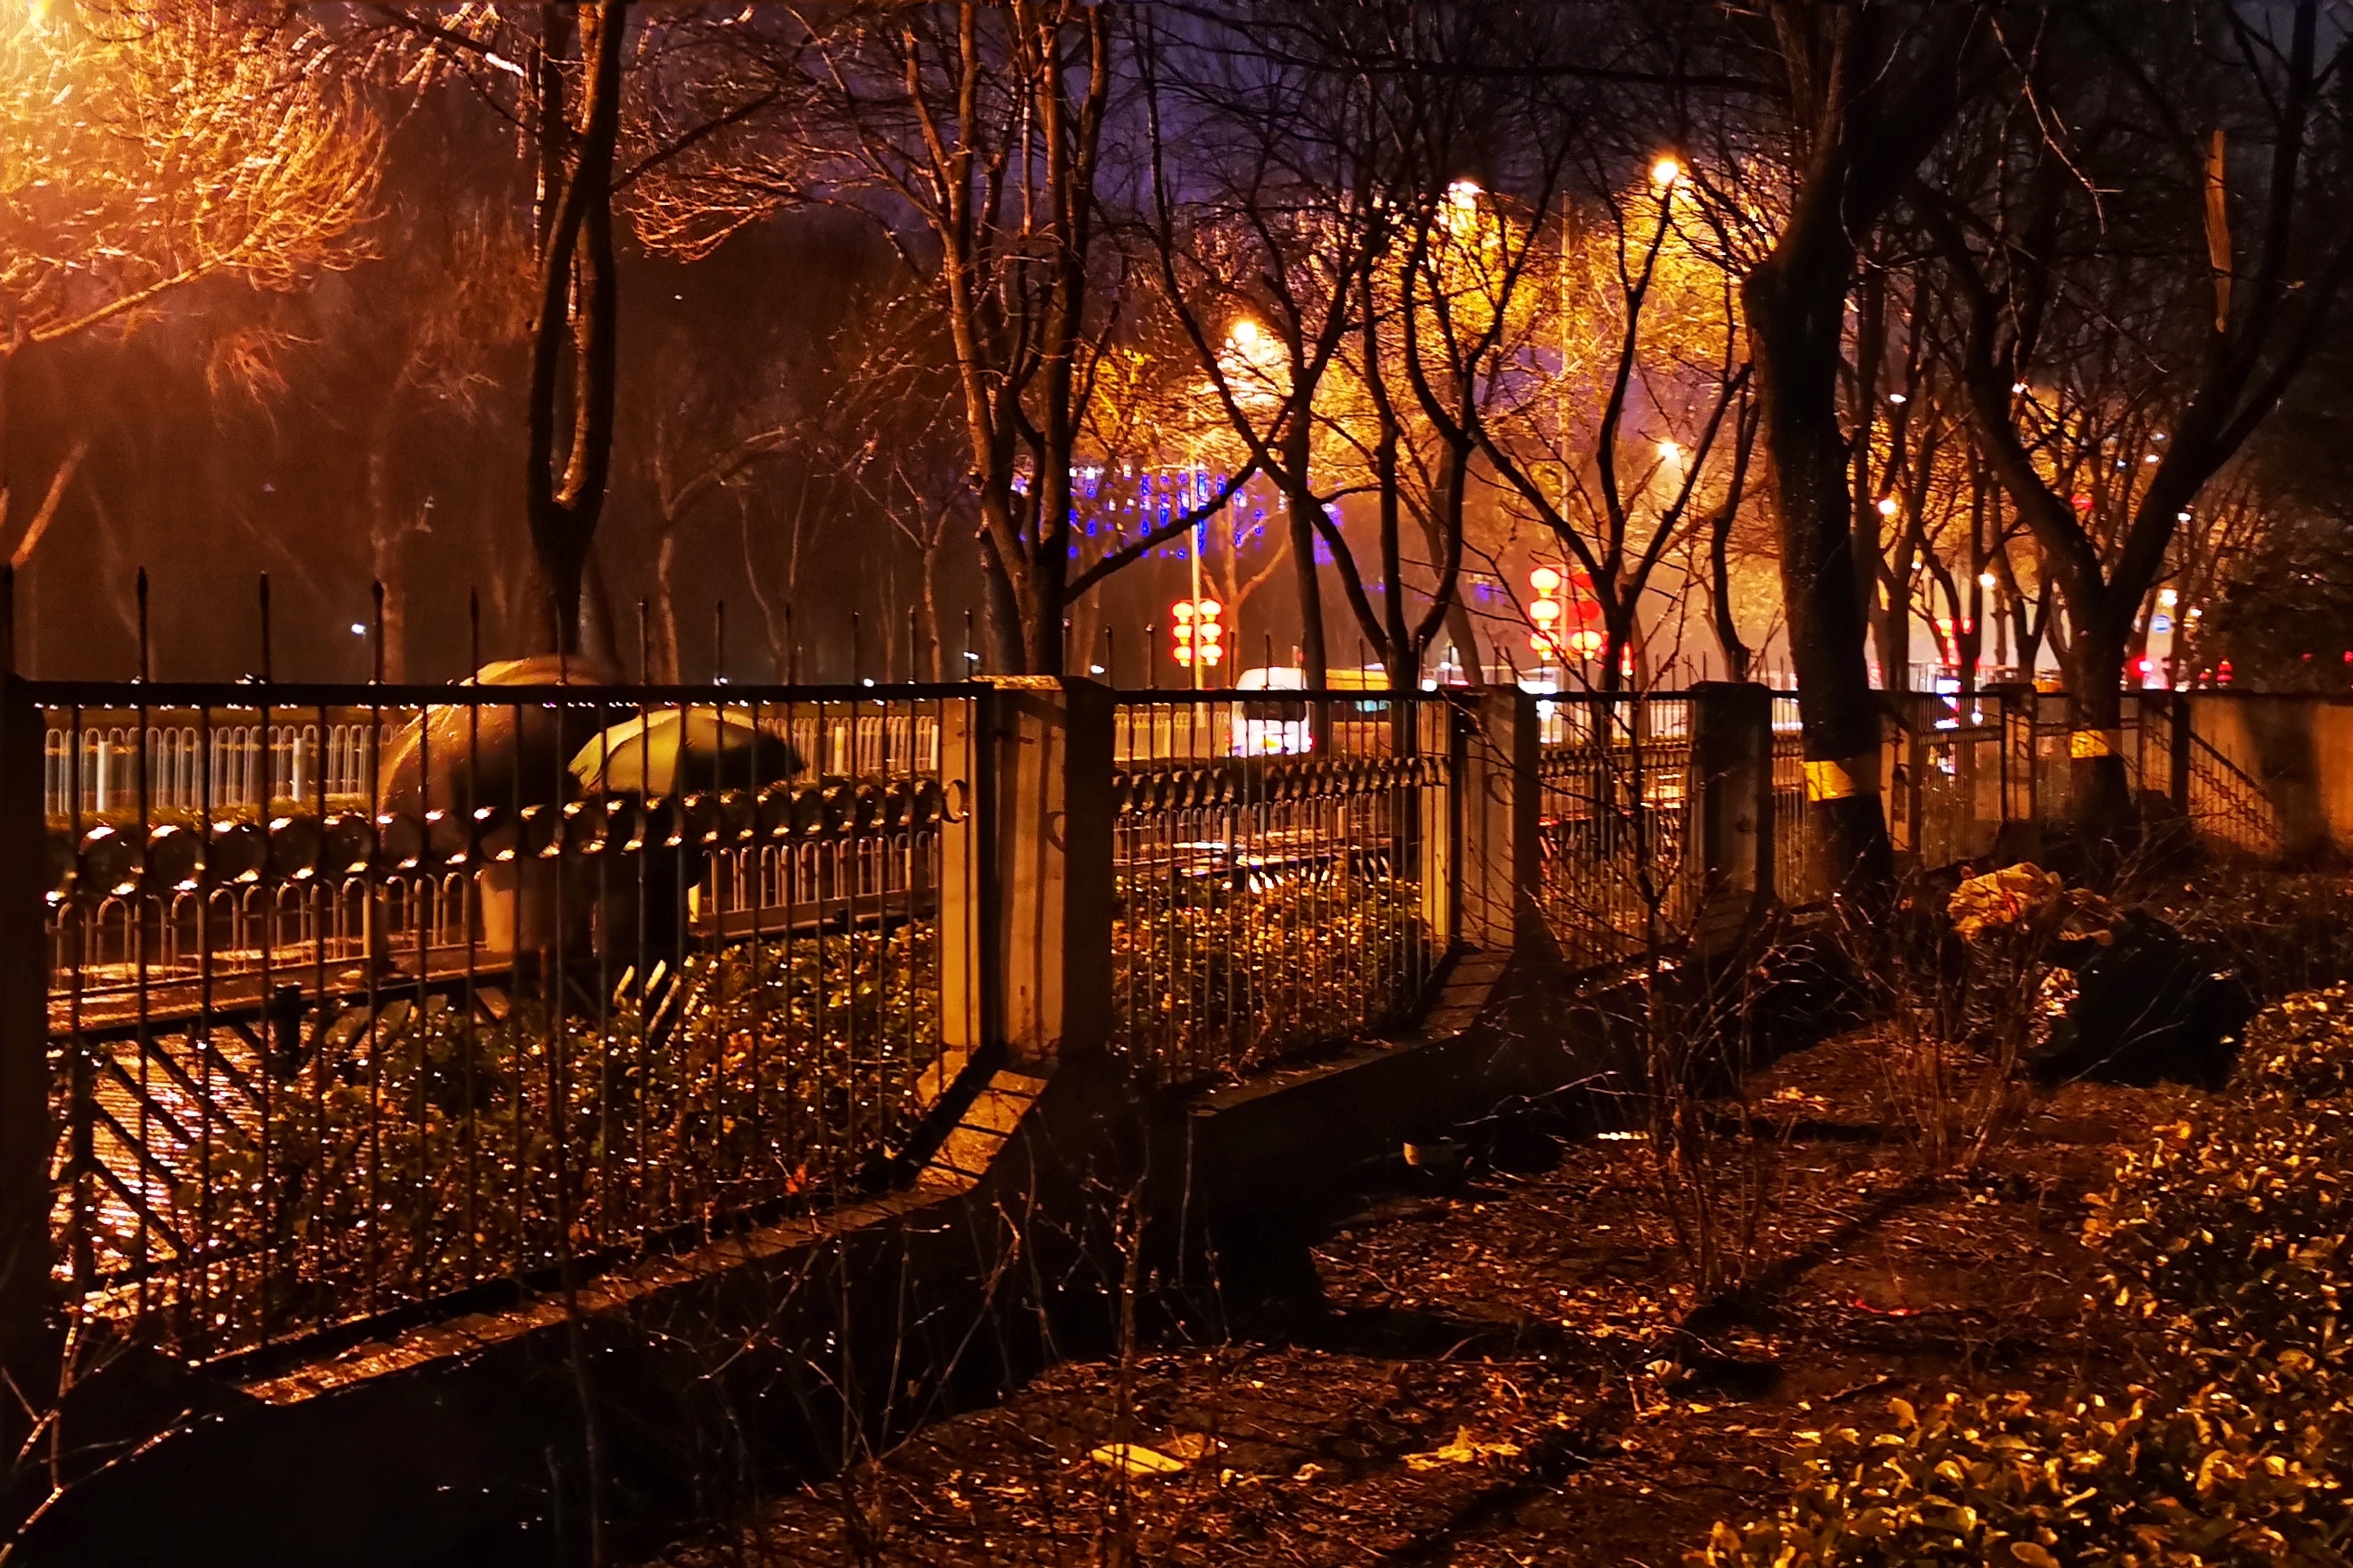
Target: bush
{"x": 2300, "y": 1049}
{"x": 2004, "y": 1481}
{"x": 2238, "y": 1230}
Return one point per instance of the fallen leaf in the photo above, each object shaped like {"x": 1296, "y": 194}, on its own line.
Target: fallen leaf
{"x": 1465, "y": 1450}
{"x": 1135, "y": 1459}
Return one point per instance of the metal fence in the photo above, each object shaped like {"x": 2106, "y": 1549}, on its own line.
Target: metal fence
{"x": 1616, "y": 792}
{"x": 368, "y": 1001}
{"x": 1797, "y": 875}
{"x": 2226, "y": 801}
{"x": 365, "y": 998}
{"x": 1951, "y": 774}
{"x": 1272, "y": 860}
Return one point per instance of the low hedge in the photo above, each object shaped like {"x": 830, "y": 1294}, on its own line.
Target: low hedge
{"x": 2299, "y": 1050}
{"x": 2240, "y": 1229}
{"x": 2211, "y": 1479}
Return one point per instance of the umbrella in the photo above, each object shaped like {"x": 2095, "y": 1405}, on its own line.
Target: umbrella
{"x": 459, "y": 757}
{"x": 690, "y": 748}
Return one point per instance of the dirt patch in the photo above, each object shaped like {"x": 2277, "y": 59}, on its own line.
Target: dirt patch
{"x": 1511, "y": 1372}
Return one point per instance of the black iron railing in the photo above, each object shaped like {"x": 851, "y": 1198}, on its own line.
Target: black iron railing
{"x": 1274, "y": 856}
{"x": 363, "y": 998}
{"x": 1796, "y": 865}
{"x": 1950, "y": 774}
{"x": 1617, "y": 794}
{"x": 366, "y": 1000}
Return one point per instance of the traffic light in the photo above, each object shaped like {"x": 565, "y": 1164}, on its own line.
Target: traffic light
{"x": 1194, "y": 625}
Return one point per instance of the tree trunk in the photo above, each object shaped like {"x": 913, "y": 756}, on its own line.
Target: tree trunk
{"x": 931, "y": 623}
{"x": 578, "y": 308}
{"x": 389, "y": 559}
{"x": 1796, "y": 303}
{"x": 1313, "y": 659}
{"x": 2098, "y": 792}
{"x": 1001, "y": 615}
{"x": 1719, "y": 595}
{"x": 1893, "y": 604}
{"x": 664, "y": 641}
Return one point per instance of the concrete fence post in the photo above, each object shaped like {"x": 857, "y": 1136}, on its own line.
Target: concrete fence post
{"x": 1499, "y": 795}
{"x": 1026, "y": 895}
{"x": 29, "y": 1325}
{"x": 1732, "y": 821}
{"x": 1432, "y": 839}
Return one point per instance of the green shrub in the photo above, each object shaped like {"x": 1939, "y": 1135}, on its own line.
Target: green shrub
{"x": 2300, "y": 1049}
{"x": 2004, "y": 1481}
{"x": 2237, "y": 1230}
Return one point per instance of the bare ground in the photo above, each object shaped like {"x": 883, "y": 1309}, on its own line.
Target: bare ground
{"x": 1511, "y": 1372}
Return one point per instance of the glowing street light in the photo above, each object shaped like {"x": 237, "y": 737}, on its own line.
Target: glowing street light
{"x": 1888, "y": 506}
{"x": 1666, "y": 173}
{"x": 1987, "y": 580}
{"x": 1671, "y": 451}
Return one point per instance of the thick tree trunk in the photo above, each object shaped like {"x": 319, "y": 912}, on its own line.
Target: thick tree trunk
{"x": 578, "y": 309}
{"x": 1796, "y": 302}
{"x": 2099, "y": 792}
{"x": 1000, "y": 615}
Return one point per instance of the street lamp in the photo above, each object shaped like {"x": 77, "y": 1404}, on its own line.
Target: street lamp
{"x": 1666, "y": 173}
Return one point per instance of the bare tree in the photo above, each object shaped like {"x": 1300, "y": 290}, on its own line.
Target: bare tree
{"x": 2108, "y": 296}
{"x": 154, "y": 144}
{"x": 1646, "y": 332}
{"x": 1844, "y": 103}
